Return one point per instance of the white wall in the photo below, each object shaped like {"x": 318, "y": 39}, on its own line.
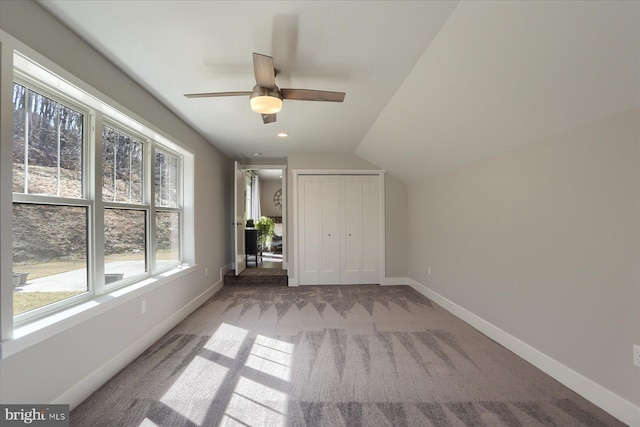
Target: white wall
{"x": 327, "y": 161}
{"x": 68, "y": 365}
{"x": 544, "y": 243}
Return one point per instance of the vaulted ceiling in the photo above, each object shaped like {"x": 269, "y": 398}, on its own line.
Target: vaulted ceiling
{"x": 430, "y": 85}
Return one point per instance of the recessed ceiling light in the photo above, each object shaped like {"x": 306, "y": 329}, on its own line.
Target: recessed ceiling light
{"x": 283, "y": 134}
{"x": 257, "y": 154}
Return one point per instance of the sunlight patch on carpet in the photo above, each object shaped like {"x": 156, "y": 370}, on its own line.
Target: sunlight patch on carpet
{"x": 253, "y": 403}
{"x": 271, "y": 357}
{"x": 201, "y": 378}
{"x": 227, "y": 340}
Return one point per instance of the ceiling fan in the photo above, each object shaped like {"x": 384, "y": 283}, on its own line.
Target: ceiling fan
{"x": 266, "y": 98}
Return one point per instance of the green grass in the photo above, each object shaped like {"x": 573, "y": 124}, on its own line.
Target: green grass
{"x": 44, "y": 269}
{"x": 27, "y": 301}
{"x": 37, "y": 270}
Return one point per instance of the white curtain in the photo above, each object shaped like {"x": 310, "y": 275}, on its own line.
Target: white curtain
{"x": 255, "y": 198}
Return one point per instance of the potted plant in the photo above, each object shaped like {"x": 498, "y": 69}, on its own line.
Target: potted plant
{"x": 19, "y": 279}
{"x": 265, "y": 228}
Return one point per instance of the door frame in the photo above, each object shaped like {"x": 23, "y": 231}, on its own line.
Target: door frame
{"x": 285, "y": 199}
{"x": 295, "y": 280}
{"x": 239, "y": 257}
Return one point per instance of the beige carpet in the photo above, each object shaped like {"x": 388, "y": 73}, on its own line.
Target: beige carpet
{"x": 331, "y": 356}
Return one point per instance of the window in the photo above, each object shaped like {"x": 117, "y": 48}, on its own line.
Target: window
{"x": 247, "y": 197}
{"x": 167, "y": 239}
{"x": 50, "y": 215}
{"x": 77, "y": 215}
{"x": 122, "y": 159}
{"x": 50, "y": 251}
{"x": 166, "y": 180}
{"x": 125, "y": 227}
{"x": 125, "y": 243}
{"x": 167, "y": 215}
{"x": 47, "y": 147}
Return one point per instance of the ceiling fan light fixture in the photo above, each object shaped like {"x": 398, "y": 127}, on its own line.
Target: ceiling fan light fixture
{"x": 266, "y": 98}
{"x": 265, "y": 101}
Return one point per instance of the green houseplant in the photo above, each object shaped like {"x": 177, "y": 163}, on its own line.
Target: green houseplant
{"x": 265, "y": 227}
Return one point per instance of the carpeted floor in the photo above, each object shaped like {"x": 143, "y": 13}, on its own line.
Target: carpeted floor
{"x": 257, "y": 276}
{"x": 262, "y": 272}
{"x": 331, "y": 356}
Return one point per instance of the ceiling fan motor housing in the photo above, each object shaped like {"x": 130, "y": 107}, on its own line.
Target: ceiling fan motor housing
{"x": 265, "y": 101}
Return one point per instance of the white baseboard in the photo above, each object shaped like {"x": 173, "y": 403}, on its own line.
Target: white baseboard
{"x": 83, "y": 389}
{"x": 395, "y": 281}
{"x": 615, "y": 405}
{"x": 387, "y": 281}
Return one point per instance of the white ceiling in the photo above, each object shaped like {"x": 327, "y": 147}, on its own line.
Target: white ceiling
{"x": 269, "y": 174}
{"x": 430, "y": 85}
{"x": 365, "y": 49}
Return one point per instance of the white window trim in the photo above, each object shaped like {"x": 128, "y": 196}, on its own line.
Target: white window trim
{"x": 32, "y": 333}
{"x": 32, "y": 84}
{"x": 155, "y": 209}
{"x": 100, "y": 285}
{"x": 14, "y": 55}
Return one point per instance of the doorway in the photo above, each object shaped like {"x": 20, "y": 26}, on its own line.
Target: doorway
{"x": 265, "y": 212}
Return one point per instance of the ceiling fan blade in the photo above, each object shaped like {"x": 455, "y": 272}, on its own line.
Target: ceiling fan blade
{"x": 312, "y": 95}
{"x": 264, "y": 71}
{"x": 268, "y": 118}
{"x": 215, "y": 94}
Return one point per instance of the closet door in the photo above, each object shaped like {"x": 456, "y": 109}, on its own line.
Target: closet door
{"x": 319, "y": 229}
{"x": 339, "y": 229}
{"x": 361, "y": 230}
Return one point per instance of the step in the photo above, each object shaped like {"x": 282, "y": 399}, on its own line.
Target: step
{"x": 257, "y": 276}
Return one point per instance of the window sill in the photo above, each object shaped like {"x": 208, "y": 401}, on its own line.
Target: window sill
{"x": 42, "y": 329}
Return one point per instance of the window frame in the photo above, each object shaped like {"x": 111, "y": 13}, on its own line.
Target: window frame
{"x": 136, "y": 136}
{"x": 155, "y": 209}
{"x": 56, "y": 306}
{"x": 98, "y": 113}
{"x": 34, "y": 85}
{"x": 145, "y": 206}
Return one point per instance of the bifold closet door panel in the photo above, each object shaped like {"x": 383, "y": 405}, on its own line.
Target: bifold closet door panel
{"x": 351, "y": 237}
{"x": 309, "y": 231}
{"x": 319, "y": 230}
{"x": 361, "y": 235}
{"x": 330, "y": 235}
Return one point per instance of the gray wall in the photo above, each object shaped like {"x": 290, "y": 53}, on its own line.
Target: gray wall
{"x": 543, "y": 242}
{"x": 397, "y": 227}
{"x": 68, "y": 363}
{"x": 395, "y": 205}
{"x": 267, "y": 190}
